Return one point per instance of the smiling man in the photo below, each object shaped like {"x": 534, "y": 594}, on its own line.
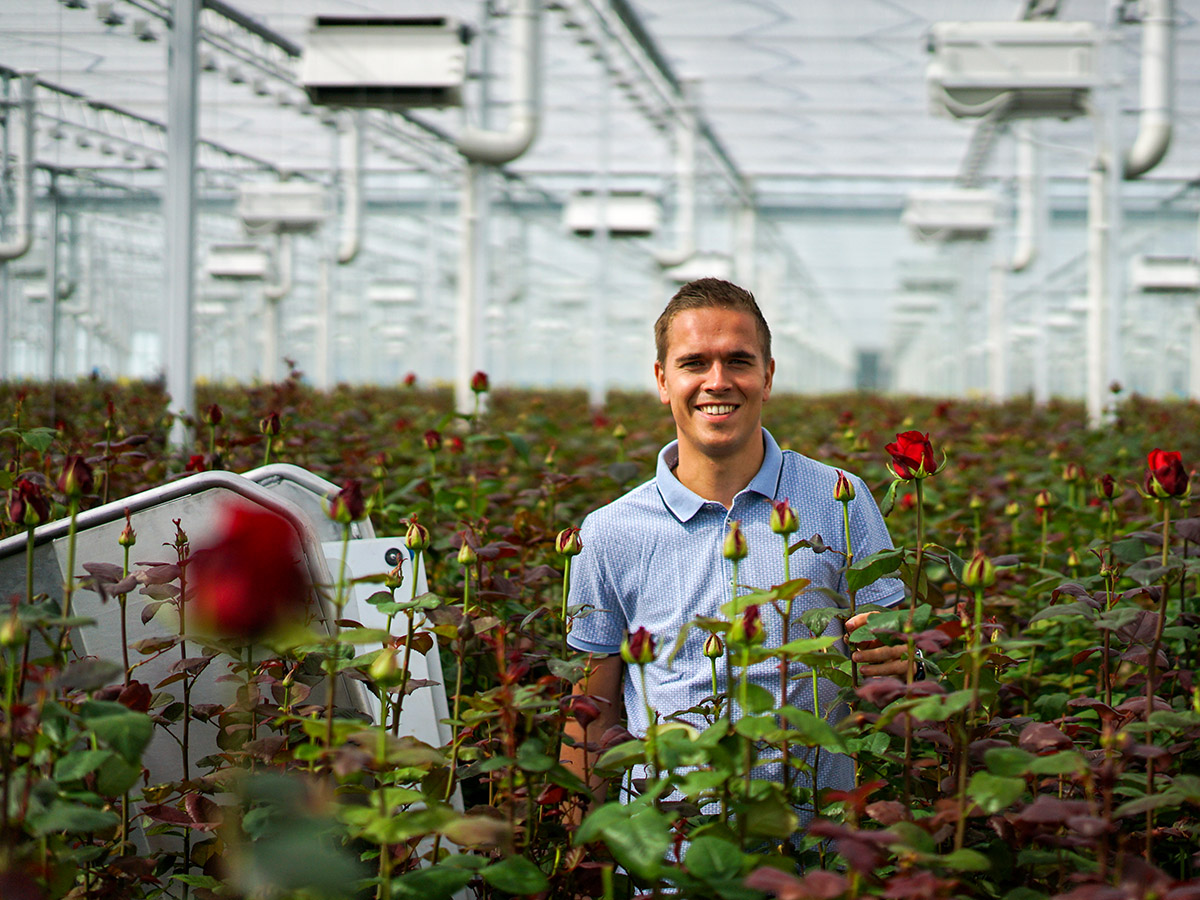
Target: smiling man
{"x": 653, "y": 558}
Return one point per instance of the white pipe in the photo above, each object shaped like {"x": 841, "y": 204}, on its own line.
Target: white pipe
{"x": 1154, "y": 123}
{"x": 1097, "y": 289}
{"x": 283, "y": 268}
{"x": 22, "y": 238}
{"x": 495, "y": 148}
{"x": 685, "y": 214}
{"x": 1025, "y": 231}
{"x": 352, "y": 213}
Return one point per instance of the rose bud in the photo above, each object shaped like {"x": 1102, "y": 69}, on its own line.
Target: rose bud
{"x": 270, "y": 424}
{"x": 417, "y": 536}
{"x": 843, "y": 489}
{"x": 455, "y": 444}
{"x": 1106, "y": 487}
{"x": 1012, "y": 509}
{"x": 348, "y": 504}
{"x": 979, "y": 572}
{"x": 127, "y": 537}
{"x": 735, "y": 542}
{"x": 1072, "y": 558}
{"x": 1165, "y": 474}
{"x": 638, "y": 648}
{"x": 410, "y": 380}
{"x": 213, "y": 414}
{"x": 433, "y": 440}
{"x": 466, "y": 553}
{"x": 568, "y": 543}
{"x": 912, "y": 456}
{"x": 27, "y": 503}
{"x": 976, "y": 502}
{"x": 1073, "y": 473}
{"x": 713, "y": 648}
{"x": 1043, "y": 499}
{"x": 252, "y": 576}
{"x": 619, "y": 432}
{"x": 479, "y": 382}
{"x": 12, "y": 632}
{"x": 748, "y": 629}
{"x": 783, "y": 517}
{"x": 385, "y": 670}
{"x": 76, "y": 478}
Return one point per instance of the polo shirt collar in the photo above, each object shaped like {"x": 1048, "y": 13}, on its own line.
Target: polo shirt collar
{"x": 684, "y": 503}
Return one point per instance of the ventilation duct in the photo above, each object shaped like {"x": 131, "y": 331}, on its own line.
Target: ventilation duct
{"x": 22, "y": 238}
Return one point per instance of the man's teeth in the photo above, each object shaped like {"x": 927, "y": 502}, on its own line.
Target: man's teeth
{"x": 719, "y": 410}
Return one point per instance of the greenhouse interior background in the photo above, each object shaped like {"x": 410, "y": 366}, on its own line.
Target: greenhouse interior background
{"x": 987, "y": 199}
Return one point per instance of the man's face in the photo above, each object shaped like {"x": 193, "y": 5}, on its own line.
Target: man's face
{"x": 715, "y": 380}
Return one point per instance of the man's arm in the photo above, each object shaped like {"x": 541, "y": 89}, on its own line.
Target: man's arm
{"x": 602, "y": 681}
{"x": 875, "y": 658}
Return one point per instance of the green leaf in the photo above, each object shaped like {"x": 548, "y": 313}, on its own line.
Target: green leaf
{"x": 1064, "y": 763}
{"x": 117, "y": 776}
{"x": 871, "y": 568}
{"x": 1008, "y": 761}
{"x": 771, "y": 817}
{"x": 127, "y": 732}
{"x": 39, "y": 439}
{"x": 73, "y": 818}
{"x": 203, "y": 881}
{"x": 531, "y": 756}
{"x": 81, "y": 762}
{"x": 519, "y": 444}
{"x": 758, "y": 699}
{"x": 516, "y": 875}
{"x": 641, "y": 843}
{"x": 993, "y": 793}
{"x": 965, "y": 860}
{"x": 814, "y": 731}
{"x": 712, "y": 858}
{"x": 441, "y": 882}
{"x": 889, "y": 499}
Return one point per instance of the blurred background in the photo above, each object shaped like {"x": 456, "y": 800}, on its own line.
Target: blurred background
{"x": 1005, "y": 205}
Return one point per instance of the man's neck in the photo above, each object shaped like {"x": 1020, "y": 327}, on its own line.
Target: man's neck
{"x": 718, "y": 479}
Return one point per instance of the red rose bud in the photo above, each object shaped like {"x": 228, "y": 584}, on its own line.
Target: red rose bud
{"x": 27, "y": 504}
{"x": 270, "y": 424}
{"x": 980, "y": 572}
{"x": 713, "y": 648}
{"x": 417, "y": 536}
{"x": 748, "y": 629}
{"x": 466, "y": 553}
{"x": 127, "y": 537}
{"x": 735, "y": 542}
{"x": 568, "y": 543}
{"x": 976, "y": 502}
{"x": 619, "y": 432}
{"x": 783, "y": 517}
{"x": 843, "y": 489}
{"x": 479, "y": 382}
{"x": 638, "y": 648}
{"x": 252, "y": 576}
{"x": 912, "y": 456}
{"x": 410, "y": 380}
{"x": 213, "y": 414}
{"x": 1012, "y": 509}
{"x": 1106, "y": 487}
{"x": 76, "y": 478}
{"x": 348, "y": 504}
{"x": 1043, "y": 499}
{"x": 455, "y": 444}
{"x": 433, "y": 440}
{"x": 1073, "y": 473}
{"x": 1165, "y": 474}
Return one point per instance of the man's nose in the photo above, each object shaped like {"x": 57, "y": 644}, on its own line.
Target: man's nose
{"x": 718, "y": 378}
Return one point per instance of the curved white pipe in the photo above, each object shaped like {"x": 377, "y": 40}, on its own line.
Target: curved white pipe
{"x": 283, "y": 268}
{"x": 495, "y": 148}
{"x": 22, "y": 238}
{"x": 351, "y": 159}
{"x": 1024, "y": 228}
{"x": 1154, "y": 123}
{"x": 685, "y": 215}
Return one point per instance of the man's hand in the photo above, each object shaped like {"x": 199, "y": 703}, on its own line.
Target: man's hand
{"x": 875, "y": 658}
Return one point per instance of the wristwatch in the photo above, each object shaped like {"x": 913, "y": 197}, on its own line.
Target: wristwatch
{"x": 919, "y": 669}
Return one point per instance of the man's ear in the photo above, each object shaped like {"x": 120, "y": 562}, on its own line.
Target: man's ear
{"x": 770, "y": 379}
{"x": 660, "y": 378}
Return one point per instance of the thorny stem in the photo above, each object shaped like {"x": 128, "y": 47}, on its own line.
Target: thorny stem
{"x": 1045, "y": 536}
{"x": 783, "y": 667}
{"x": 1152, "y": 668}
{"x": 850, "y": 591}
{"x": 566, "y": 586}
{"x": 339, "y": 601}
{"x": 64, "y": 641}
{"x": 908, "y": 628}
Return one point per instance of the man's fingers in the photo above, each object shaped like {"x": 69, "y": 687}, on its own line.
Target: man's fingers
{"x": 879, "y": 654}
{"x": 856, "y": 621}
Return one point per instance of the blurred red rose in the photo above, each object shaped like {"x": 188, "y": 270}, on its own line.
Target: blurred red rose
{"x": 76, "y": 477}
{"x": 433, "y": 440}
{"x": 348, "y": 505}
{"x": 479, "y": 382}
{"x": 27, "y": 503}
{"x": 410, "y": 380}
{"x": 251, "y": 577}
{"x": 455, "y": 444}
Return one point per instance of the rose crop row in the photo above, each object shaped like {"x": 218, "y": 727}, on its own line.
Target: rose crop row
{"x": 1052, "y": 585}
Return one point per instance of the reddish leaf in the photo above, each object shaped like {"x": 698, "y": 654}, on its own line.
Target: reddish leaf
{"x": 136, "y": 696}
{"x": 1038, "y": 737}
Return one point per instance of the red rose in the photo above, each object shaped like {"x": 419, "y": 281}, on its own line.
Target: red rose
{"x": 410, "y": 380}
{"x": 251, "y": 577}
{"x": 912, "y": 455}
{"x": 455, "y": 444}
{"x": 479, "y": 382}
{"x": 76, "y": 477}
{"x": 270, "y": 424}
{"x": 348, "y": 504}
{"x": 433, "y": 440}
{"x": 638, "y": 648}
{"x": 27, "y": 504}
{"x": 1165, "y": 474}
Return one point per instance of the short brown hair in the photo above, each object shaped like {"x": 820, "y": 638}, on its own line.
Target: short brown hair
{"x": 707, "y": 293}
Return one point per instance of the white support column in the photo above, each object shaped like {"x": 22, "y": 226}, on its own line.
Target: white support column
{"x": 997, "y": 331}
{"x": 180, "y": 212}
{"x": 1097, "y": 288}
{"x": 598, "y": 349}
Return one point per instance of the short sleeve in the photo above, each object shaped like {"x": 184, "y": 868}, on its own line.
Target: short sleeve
{"x": 870, "y": 535}
{"x": 599, "y": 626}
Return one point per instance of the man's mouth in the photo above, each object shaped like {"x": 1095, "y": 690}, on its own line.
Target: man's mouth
{"x": 718, "y": 409}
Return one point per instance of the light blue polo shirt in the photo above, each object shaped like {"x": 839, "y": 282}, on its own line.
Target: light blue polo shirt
{"x": 653, "y": 559}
